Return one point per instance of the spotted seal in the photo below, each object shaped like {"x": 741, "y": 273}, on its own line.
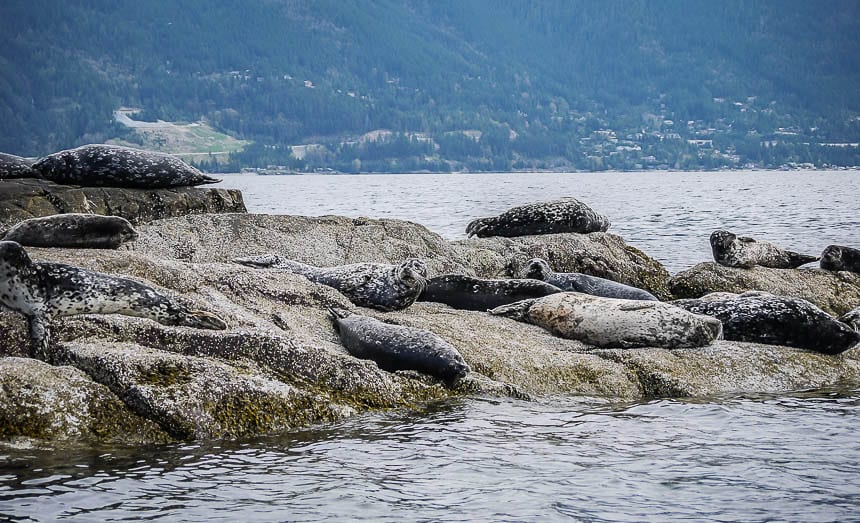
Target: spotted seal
{"x": 43, "y": 291}
{"x": 852, "y": 319}
{"x": 776, "y": 320}
{"x": 840, "y": 258}
{"x": 611, "y": 322}
{"x": 745, "y": 253}
{"x": 375, "y": 285}
{"x": 477, "y": 294}
{"x": 98, "y": 165}
{"x": 12, "y": 166}
{"x": 395, "y": 347}
{"x": 557, "y": 216}
{"x": 539, "y": 269}
{"x": 73, "y": 230}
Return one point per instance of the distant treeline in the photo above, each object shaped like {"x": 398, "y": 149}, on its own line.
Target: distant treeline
{"x": 461, "y": 84}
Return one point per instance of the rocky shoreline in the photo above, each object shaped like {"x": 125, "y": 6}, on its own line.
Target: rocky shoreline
{"x": 280, "y": 364}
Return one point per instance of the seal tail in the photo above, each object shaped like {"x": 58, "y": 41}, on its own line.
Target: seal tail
{"x": 259, "y": 262}
{"x": 476, "y": 228}
{"x": 517, "y": 311}
{"x": 796, "y": 259}
{"x": 204, "y": 320}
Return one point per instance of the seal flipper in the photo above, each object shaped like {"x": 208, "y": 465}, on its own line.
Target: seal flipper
{"x": 40, "y": 336}
{"x": 265, "y": 261}
{"x": 517, "y": 311}
{"x": 796, "y": 259}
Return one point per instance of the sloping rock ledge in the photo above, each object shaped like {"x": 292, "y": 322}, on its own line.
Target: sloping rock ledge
{"x": 25, "y": 198}
{"x": 280, "y": 365}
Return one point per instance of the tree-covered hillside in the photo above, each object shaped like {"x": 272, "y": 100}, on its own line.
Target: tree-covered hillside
{"x": 456, "y": 84}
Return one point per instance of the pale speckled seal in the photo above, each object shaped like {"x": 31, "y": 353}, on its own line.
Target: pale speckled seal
{"x": 731, "y": 250}
{"x": 12, "y": 166}
{"x": 776, "y": 320}
{"x": 395, "y": 347}
{"x": 99, "y": 165}
{"x": 42, "y": 291}
{"x": 610, "y": 322}
{"x": 840, "y": 258}
{"x": 375, "y": 285}
{"x": 539, "y": 269}
{"x": 74, "y": 231}
{"x": 557, "y": 216}
{"x": 477, "y": 294}
{"x": 852, "y": 319}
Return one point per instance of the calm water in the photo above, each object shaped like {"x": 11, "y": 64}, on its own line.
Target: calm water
{"x": 667, "y": 215}
{"x": 794, "y": 457}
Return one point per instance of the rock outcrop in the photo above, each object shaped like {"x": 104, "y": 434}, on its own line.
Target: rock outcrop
{"x": 26, "y": 198}
{"x": 834, "y": 292}
{"x": 280, "y": 364}
{"x": 334, "y": 240}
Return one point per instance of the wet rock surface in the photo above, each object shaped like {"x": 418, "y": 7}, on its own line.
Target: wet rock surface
{"x": 280, "y": 364}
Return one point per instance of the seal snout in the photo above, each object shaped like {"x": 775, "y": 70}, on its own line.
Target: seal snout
{"x": 536, "y": 269}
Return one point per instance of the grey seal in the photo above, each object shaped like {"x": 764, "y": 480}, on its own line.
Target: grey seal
{"x": 840, "y": 258}
{"x": 12, "y": 166}
{"x": 745, "y": 253}
{"x": 557, "y": 216}
{"x": 375, "y": 285}
{"x": 776, "y": 320}
{"x": 97, "y": 165}
{"x": 395, "y": 347}
{"x": 43, "y": 291}
{"x": 539, "y": 269}
{"x": 477, "y": 294}
{"x": 615, "y": 323}
{"x": 852, "y": 319}
{"x": 73, "y": 230}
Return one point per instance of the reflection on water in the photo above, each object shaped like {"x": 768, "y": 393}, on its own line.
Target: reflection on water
{"x": 759, "y": 458}
{"x": 667, "y": 215}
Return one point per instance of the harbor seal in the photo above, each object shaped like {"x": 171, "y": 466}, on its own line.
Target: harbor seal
{"x": 476, "y": 294}
{"x": 43, "y": 291}
{"x": 375, "y": 285}
{"x": 539, "y": 269}
{"x": 615, "y": 323}
{"x": 557, "y": 216}
{"x": 731, "y": 250}
{"x": 73, "y": 231}
{"x": 852, "y": 319}
{"x": 776, "y": 320}
{"x": 395, "y": 347}
{"x": 840, "y": 258}
{"x": 12, "y": 166}
{"x": 98, "y": 165}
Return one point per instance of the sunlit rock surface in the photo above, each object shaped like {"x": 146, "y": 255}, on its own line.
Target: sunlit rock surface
{"x": 280, "y": 365}
{"x": 834, "y": 292}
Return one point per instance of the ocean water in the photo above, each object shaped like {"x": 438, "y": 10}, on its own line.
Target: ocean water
{"x": 789, "y": 457}
{"x": 669, "y": 215}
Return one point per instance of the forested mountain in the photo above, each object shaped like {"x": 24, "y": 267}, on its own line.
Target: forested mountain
{"x": 455, "y": 84}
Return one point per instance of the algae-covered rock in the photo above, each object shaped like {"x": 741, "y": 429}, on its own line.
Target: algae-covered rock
{"x": 25, "y": 198}
{"x": 192, "y": 397}
{"x": 834, "y": 292}
{"x": 41, "y": 401}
